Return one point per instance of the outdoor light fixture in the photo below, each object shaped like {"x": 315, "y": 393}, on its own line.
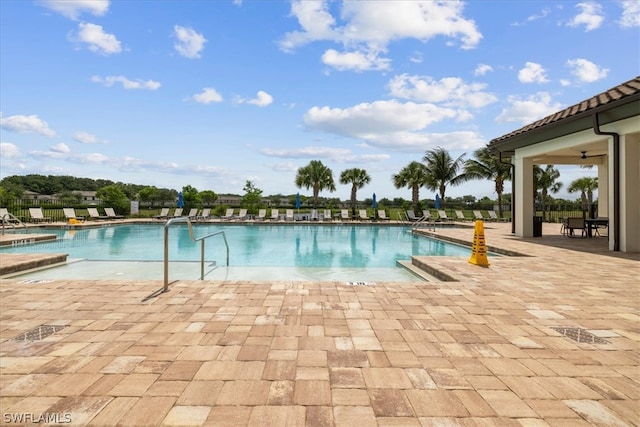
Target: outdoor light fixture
{"x": 584, "y": 155}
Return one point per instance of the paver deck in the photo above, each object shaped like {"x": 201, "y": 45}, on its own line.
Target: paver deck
{"x": 481, "y": 350}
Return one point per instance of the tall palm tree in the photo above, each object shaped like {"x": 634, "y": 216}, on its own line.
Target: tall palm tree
{"x": 442, "y": 170}
{"x": 358, "y": 178}
{"x": 413, "y": 176}
{"x": 317, "y": 176}
{"x": 486, "y": 165}
{"x": 585, "y": 186}
{"x": 545, "y": 180}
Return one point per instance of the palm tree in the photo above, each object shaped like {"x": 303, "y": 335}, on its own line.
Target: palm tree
{"x": 545, "y": 180}
{"x": 487, "y": 165}
{"x": 585, "y": 186}
{"x": 358, "y": 178}
{"x": 412, "y": 176}
{"x": 442, "y": 170}
{"x": 317, "y": 176}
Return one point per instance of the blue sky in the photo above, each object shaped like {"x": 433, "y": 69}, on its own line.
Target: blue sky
{"x": 215, "y": 93}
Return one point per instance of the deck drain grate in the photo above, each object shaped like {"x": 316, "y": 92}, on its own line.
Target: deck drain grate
{"x": 579, "y": 335}
{"x": 39, "y": 333}
{"x": 361, "y": 283}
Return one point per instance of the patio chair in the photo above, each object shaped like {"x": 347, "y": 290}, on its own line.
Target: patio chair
{"x": 205, "y": 214}
{"x": 363, "y": 215}
{"x": 275, "y": 215}
{"x": 494, "y": 217}
{"x": 327, "y": 215}
{"x": 289, "y": 215}
{"x": 228, "y": 215}
{"x": 36, "y": 215}
{"x": 164, "y": 214}
{"x": 478, "y": 215}
{"x": 178, "y": 213}
{"x": 95, "y": 215}
{"x": 6, "y": 217}
{"x": 460, "y": 215}
{"x": 242, "y": 215}
{"x": 314, "y": 215}
{"x": 262, "y": 213}
{"x": 576, "y": 223}
{"x": 344, "y": 214}
{"x": 112, "y": 214}
{"x": 442, "y": 214}
{"x": 382, "y": 214}
{"x": 411, "y": 215}
{"x": 193, "y": 213}
{"x": 70, "y": 215}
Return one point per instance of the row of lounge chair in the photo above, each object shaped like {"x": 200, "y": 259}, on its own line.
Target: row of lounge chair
{"x": 289, "y": 215}
{"x": 442, "y": 216}
{"x": 36, "y": 215}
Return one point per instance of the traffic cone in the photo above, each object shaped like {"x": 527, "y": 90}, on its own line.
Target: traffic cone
{"x": 479, "y": 248}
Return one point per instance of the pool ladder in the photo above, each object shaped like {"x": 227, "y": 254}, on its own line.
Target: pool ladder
{"x": 12, "y": 220}
{"x": 200, "y": 239}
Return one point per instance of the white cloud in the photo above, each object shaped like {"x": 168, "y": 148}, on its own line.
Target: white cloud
{"x": 207, "y": 96}
{"x": 73, "y": 8}
{"x": 283, "y": 167}
{"x": 532, "y": 73}
{"x": 528, "y": 110}
{"x": 190, "y": 44}
{"x": 356, "y": 61}
{"x": 482, "y": 69}
{"x": 369, "y": 27}
{"x": 61, "y": 148}
{"x": 26, "y": 124}
{"x": 630, "y": 14}
{"x": 126, "y": 83}
{"x": 87, "y": 138}
{"x": 9, "y": 150}
{"x": 590, "y": 16}
{"x": 586, "y": 71}
{"x": 262, "y": 99}
{"x": 97, "y": 39}
{"x": 450, "y": 91}
{"x": 532, "y": 18}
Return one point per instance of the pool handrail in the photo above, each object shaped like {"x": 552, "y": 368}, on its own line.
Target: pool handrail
{"x": 201, "y": 239}
{"x": 8, "y": 218}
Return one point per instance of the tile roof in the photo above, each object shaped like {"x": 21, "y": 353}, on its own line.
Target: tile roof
{"x": 602, "y": 100}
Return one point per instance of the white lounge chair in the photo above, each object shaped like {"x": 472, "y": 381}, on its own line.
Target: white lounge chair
{"x": 478, "y": 215}
{"x": 70, "y": 215}
{"x": 262, "y": 213}
{"x": 36, "y": 215}
{"x": 164, "y": 214}
{"x": 382, "y": 214}
{"x": 178, "y": 213}
{"x": 327, "y": 215}
{"x": 242, "y": 215}
{"x": 112, "y": 214}
{"x": 314, "y": 215}
{"x": 205, "y": 214}
{"x": 95, "y": 215}
{"x": 363, "y": 215}
{"x": 193, "y": 213}
{"x": 228, "y": 215}
{"x": 289, "y": 216}
{"x": 275, "y": 215}
{"x": 460, "y": 215}
{"x": 412, "y": 216}
{"x": 443, "y": 215}
{"x": 494, "y": 217}
{"x": 344, "y": 214}
{"x": 6, "y": 217}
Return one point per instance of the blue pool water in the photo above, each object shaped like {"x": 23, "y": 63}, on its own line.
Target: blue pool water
{"x": 325, "y": 248}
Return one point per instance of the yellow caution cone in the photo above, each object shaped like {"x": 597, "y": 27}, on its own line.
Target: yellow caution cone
{"x": 479, "y": 248}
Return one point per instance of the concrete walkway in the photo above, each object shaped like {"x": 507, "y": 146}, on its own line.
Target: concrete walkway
{"x": 486, "y": 350}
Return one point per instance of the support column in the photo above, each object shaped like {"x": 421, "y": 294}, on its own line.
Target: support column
{"x": 629, "y": 193}
{"x": 603, "y": 189}
{"x": 523, "y": 182}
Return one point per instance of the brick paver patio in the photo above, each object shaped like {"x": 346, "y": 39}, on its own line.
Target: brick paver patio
{"x": 480, "y": 351}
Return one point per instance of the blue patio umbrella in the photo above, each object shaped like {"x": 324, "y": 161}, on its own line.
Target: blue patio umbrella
{"x": 374, "y": 203}
{"x": 437, "y": 202}
{"x": 180, "y": 203}
{"x": 298, "y": 201}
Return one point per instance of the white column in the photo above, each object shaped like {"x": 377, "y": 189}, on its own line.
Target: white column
{"x": 603, "y": 189}
{"x": 523, "y": 183}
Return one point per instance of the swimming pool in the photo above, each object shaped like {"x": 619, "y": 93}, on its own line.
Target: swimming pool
{"x": 355, "y": 250}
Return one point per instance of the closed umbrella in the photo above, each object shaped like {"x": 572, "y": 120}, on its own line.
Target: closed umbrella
{"x": 437, "y": 202}
{"x": 298, "y": 202}
{"x": 180, "y": 203}
{"x": 374, "y": 205}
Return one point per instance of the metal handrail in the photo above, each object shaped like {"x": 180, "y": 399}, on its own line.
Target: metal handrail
{"x": 423, "y": 219}
{"x": 201, "y": 239}
{"x": 6, "y": 220}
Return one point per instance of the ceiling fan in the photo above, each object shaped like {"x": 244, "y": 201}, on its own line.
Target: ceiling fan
{"x": 584, "y": 155}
